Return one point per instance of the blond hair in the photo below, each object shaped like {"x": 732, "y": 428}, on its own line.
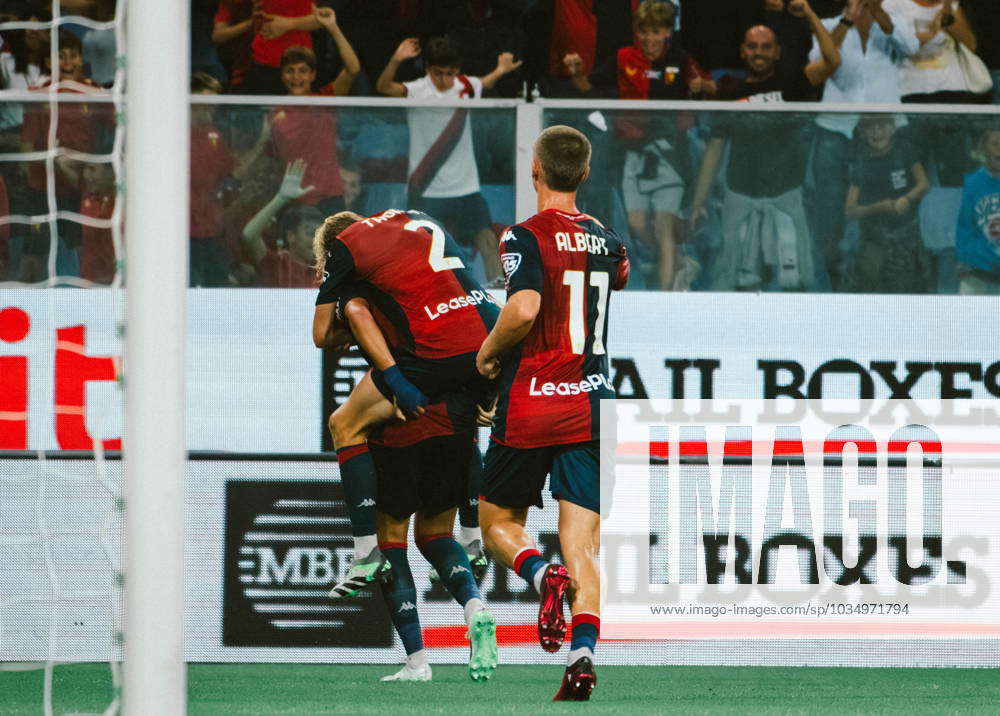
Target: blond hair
{"x": 325, "y": 234}
{"x": 654, "y": 15}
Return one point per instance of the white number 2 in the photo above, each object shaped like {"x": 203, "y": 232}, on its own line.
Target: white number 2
{"x": 436, "y": 257}
{"x": 578, "y": 307}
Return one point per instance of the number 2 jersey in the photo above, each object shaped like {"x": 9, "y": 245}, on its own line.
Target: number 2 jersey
{"x": 552, "y": 382}
{"x": 431, "y": 305}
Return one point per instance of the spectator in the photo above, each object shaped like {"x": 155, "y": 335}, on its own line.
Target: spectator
{"x": 977, "y": 239}
{"x": 232, "y": 33}
{"x": 887, "y": 182}
{"x": 100, "y": 49}
{"x": 656, "y": 147}
{"x": 209, "y": 260}
{"x": 934, "y": 73}
{"x": 872, "y": 45}
{"x": 355, "y": 196}
{"x": 479, "y": 30}
{"x": 290, "y": 265}
{"x": 78, "y": 128}
{"x": 310, "y": 133}
{"x": 763, "y": 216}
{"x": 24, "y": 65}
{"x": 443, "y": 178}
{"x": 278, "y": 25}
{"x": 96, "y": 183}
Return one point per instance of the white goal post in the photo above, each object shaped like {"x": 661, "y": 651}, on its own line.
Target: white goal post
{"x": 157, "y": 121}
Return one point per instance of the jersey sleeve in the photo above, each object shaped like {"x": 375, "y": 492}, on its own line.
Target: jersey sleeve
{"x": 339, "y": 268}
{"x": 521, "y": 261}
{"x": 624, "y": 269}
{"x": 477, "y": 87}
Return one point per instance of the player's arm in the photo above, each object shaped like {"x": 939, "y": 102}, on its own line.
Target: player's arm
{"x": 515, "y": 322}
{"x": 386, "y": 84}
{"x": 525, "y": 279}
{"x": 328, "y": 332}
{"x": 371, "y": 340}
{"x": 624, "y": 269}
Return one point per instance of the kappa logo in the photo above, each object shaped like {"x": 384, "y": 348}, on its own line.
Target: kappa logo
{"x": 457, "y": 569}
{"x": 367, "y": 502}
{"x": 406, "y": 607}
{"x": 507, "y": 236}
{"x": 511, "y": 263}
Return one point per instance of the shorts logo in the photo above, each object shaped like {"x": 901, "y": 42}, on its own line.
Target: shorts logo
{"x": 511, "y": 263}
{"x": 407, "y": 607}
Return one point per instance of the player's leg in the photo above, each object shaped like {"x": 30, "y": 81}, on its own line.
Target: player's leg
{"x": 400, "y": 594}
{"x": 433, "y": 533}
{"x": 513, "y": 479}
{"x": 349, "y": 426}
{"x": 469, "y": 534}
{"x": 575, "y": 483}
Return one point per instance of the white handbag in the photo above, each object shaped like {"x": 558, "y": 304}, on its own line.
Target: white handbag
{"x": 977, "y": 77}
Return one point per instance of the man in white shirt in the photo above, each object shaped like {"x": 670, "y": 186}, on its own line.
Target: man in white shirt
{"x": 443, "y": 179}
{"x": 873, "y": 43}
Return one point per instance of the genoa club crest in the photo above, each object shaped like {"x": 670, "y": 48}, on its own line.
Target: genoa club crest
{"x": 510, "y": 262}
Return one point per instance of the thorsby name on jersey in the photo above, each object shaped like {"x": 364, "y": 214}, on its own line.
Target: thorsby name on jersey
{"x": 573, "y": 262}
{"x": 425, "y": 301}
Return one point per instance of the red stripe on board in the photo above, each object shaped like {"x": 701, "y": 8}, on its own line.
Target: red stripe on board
{"x": 507, "y": 635}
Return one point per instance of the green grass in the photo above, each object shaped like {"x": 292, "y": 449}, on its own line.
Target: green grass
{"x": 286, "y": 689}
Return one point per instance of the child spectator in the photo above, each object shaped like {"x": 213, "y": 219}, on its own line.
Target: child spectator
{"x": 977, "y": 240}
{"x": 96, "y": 183}
{"x": 355, "y": 196}
{"x": 656, "y": 147}
{"x": 214, "y": 162}
{"x": 78, "y": 128}
{"x": 232, "y": 34}
{"x": 443, "y": 177}
{"x": 290, "y": 265}
{"x": 887, "y": 182}
{"x": 309, "y": 134}
{"x": 278, "y": 25}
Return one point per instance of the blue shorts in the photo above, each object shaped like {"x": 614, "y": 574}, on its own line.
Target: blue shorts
{"x": 515, "y": 477}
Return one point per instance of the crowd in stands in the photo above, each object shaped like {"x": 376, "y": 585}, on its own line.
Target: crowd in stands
{"x": 707, "y": 200}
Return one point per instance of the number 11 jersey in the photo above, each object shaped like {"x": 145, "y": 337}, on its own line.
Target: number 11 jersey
{"x": 552, "y": 382}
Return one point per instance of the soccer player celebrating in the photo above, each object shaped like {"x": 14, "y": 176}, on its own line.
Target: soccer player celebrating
{"x": 421, "y": 469}
{"x": 435, "y": 317}
{"x": 548, "y": 348}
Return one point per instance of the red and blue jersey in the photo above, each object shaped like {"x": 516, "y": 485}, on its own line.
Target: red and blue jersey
{"x": 552, "y": 382}
{"x": 417, "y": 281}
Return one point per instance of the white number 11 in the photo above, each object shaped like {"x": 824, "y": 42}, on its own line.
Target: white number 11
{"x": 578, "y": 307}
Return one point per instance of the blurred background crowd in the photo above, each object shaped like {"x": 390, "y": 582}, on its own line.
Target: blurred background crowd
{"x": 741, "y": 198}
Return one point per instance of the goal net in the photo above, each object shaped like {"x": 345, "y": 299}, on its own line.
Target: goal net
{"x": 61, "y": 479}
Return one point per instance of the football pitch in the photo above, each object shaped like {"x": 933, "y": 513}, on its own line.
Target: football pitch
{"x": 308, "y": 689}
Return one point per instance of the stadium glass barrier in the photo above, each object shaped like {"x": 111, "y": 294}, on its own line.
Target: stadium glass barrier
{"x": 249, "y": 216}
{"x": 804, "y": 198}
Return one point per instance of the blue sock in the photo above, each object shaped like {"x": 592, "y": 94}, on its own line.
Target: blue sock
{"x": 527, "y": 563}
{"x": 452, "y": 565}
{"x": 585, "y": 629}
{"x": 468, "y": 513}
{"x": 357, "y": 476}
{"x": 401, "y": 598}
